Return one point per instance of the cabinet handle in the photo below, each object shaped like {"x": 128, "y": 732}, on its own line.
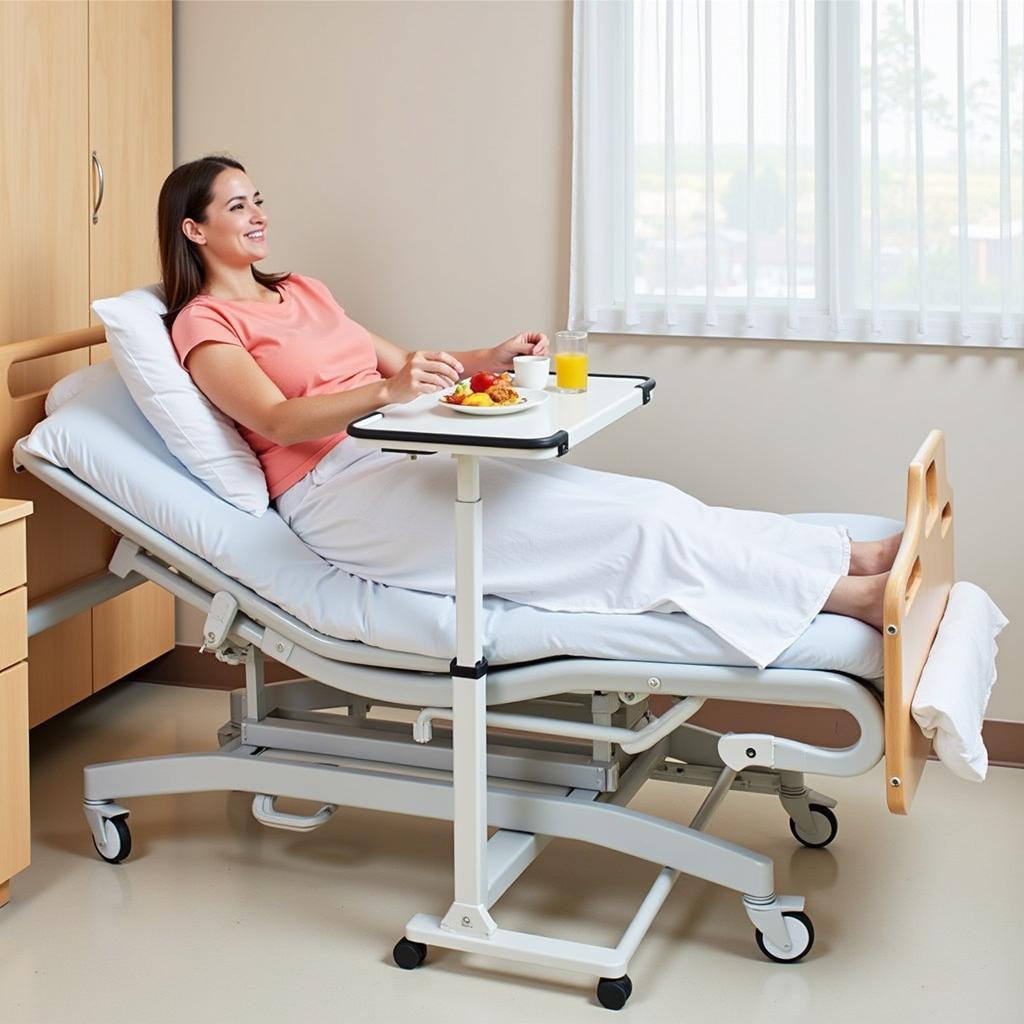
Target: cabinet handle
{"x": 99, "y": 197}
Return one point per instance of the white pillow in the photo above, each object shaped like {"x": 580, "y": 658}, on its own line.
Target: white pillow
{"x": 75, "y": 383}
{"x": 957, "y": 679}
{"x": 199, "y": 435}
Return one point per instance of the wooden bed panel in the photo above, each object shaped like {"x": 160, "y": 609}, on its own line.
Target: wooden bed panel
{"x": 62, "y": 659}
{"x": 914, "y": 603}
{"x": 65, "y": 544}
{"x": 126, "y": 629}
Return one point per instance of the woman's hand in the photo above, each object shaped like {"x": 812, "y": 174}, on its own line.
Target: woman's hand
{"x": 421, "y": 374}
{"x": 529, "y": 343}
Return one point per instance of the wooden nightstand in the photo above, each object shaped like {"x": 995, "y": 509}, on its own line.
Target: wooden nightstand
{"x": 14, "y": 804}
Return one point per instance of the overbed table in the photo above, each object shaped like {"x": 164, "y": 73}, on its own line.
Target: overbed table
{"x": 546, "y": 431}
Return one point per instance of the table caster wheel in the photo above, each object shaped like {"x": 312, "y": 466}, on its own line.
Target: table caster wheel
{"x": 408, "y": 954}
{"x": 827, "y": 827}
{"x": 612, "y": 993}
{"x": 118, "y": 840}
{"x": 801, "y": 935}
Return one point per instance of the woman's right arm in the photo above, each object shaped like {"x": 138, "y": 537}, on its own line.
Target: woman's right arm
{"x": 233, "y": 381}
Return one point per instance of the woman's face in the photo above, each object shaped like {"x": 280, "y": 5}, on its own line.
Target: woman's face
{"x": 235, "y": 230}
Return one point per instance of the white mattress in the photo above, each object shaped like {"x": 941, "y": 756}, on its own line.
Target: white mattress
{"x": 101, "y": 437}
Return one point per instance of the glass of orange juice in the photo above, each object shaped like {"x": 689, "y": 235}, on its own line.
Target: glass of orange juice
{"x": 571, "y": 362}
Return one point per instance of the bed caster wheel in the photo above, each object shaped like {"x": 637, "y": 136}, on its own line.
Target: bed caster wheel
{"x": 612, "y": 993}
{"x": 408, "y": 954}
{"x": 118, "y": 840}
{"x": 826, "y": 828}
{"x": 801, "y": 935}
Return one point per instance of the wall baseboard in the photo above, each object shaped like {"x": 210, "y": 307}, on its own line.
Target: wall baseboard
{"x": 185, "y": 666}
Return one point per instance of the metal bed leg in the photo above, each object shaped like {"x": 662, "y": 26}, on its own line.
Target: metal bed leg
{"x": 255, "y": 692}
{"x": 715, "y": 796}
{"x": 300, "y": 694}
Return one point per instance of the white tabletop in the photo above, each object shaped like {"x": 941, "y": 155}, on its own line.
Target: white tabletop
{"x": 543, "y": 432}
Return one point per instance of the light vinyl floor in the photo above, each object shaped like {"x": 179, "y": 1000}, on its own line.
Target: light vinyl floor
{"x": 216, "y": 918}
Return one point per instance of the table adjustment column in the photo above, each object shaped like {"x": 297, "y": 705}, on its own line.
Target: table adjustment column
{"x": 468, "y": 913}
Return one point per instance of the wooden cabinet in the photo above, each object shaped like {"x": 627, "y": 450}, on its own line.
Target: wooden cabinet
{"x": 78, "y": 78}
{"x": 130, "y": 131}
{"x": 14, "y": 806}
{"x": 44, "y": 162}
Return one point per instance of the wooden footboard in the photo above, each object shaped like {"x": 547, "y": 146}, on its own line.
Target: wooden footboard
{"x": 914, "y": 603}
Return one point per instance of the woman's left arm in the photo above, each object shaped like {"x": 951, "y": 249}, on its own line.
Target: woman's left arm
{"x": 391, "y": 357}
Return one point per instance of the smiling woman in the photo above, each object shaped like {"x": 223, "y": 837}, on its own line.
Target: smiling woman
{"x": 212, "y": 204}
{"x": 291, "y": 368}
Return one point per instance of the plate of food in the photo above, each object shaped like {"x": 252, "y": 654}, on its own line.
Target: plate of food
{"x": 491, "y": 394}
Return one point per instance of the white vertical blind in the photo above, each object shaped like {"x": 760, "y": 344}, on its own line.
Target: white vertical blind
{"x": 1005, "y": 252}
{"x": 629, "y": 167}
{"x": 922, "y": 256}
{"x": 670, "y": 164}
{"x": 963, "y": 244}
{"x": 752, "y": 232}
{"x": 832, "y": 196}
{"x": 710, "y": 254}
{"x": 854, "y": 184}
{"x": 792, "y": 322}
{"x": 876, "y": 200}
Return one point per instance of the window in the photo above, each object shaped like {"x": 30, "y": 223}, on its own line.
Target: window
{"x": 800, "y": 168}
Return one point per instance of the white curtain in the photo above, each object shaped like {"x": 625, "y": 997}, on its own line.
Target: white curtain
{"x": 814, "y": 169}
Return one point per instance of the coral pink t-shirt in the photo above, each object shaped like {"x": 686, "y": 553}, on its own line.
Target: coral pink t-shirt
{"x": 305, "y": 344}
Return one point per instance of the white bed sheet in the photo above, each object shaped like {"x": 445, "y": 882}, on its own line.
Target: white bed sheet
{"x": 101, "y": 437}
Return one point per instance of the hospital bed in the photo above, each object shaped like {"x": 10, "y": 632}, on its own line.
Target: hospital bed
{"x": 568, "y": 697}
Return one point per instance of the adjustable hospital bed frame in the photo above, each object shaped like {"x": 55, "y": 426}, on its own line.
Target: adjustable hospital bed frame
{"x": 573, "y": 741}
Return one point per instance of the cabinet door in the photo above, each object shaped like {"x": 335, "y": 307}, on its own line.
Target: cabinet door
{"x": 44, "y": 168}
{"x": 130, "y": 130}
{"x": 44, "y": 289}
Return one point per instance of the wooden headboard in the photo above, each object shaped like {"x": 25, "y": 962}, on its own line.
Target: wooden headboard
{"x": 65, "y": 544}
{"x": 914, "y": 603}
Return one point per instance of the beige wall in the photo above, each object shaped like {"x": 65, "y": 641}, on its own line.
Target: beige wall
{"x": 416, "y": 157}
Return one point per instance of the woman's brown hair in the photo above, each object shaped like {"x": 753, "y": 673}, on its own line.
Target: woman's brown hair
{"x": 187, "y": 192}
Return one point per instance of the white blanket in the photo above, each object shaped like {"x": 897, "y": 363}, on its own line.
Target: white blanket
{"x": 568, "y": 539}
{"x": 957, "y": 680}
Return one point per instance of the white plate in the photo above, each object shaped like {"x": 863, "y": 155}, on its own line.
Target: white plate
{"x": 530, "y": 398}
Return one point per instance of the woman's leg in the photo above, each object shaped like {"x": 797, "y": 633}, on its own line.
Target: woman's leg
{"x": 568, "y": 539}
{"x": 871, "y": 557}
{"x": 859, "y": 597}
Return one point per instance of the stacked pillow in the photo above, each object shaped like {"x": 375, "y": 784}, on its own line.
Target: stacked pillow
{"x": 74, "y": 384}
{"x": 197, "y": 433}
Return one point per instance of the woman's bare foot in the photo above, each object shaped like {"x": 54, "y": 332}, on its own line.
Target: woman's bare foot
{"x": 859, "y": 597}
{"x": 871, "y": 557}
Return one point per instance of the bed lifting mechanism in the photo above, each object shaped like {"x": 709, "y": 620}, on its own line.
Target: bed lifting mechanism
{"x": 216, "y": 634}
{"x": 738, "y": 750}
{"x": 217, "y": 628}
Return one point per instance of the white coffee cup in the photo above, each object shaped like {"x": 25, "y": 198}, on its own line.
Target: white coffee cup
{"x": 531, "y": 371}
